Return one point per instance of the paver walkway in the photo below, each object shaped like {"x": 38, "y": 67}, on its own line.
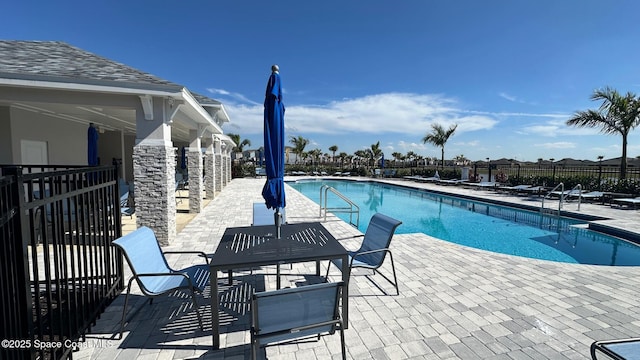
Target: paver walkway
{"x": 455, "y": 302}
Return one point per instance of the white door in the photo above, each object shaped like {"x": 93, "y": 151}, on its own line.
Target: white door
{"x": 34, "y": 152}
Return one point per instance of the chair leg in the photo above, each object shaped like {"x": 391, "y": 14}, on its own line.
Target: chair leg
{"x": 124, "y": 309}
{"x": 195, "y": 304}
{"x": 326, "y": 277}
{"x": 395, "y": 279}
{"x": 344, "y": 351}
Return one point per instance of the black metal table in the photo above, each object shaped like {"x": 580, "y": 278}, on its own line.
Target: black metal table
{"x": 253, "y": 246}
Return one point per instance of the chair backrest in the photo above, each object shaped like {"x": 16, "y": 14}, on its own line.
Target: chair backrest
{"x": 124, "y": 199}
{"x": 143, "y": 253}
{"x": 378, "y": 236}
{"x": 264, "y": 216}
{"x": 296, "y": 312}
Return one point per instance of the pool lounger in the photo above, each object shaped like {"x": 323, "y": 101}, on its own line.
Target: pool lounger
{"x": 589, "y": 196}
{"x": 450, "y": 182}
{"x": 624, "y": 349}
{"x": 629, "y": 202}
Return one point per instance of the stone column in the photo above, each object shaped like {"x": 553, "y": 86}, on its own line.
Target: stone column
{"x": 209, "y": 170}
{"x": 154, "y": 169}
{"x": 218, "y": 165}
{"x": 229, "y": 166}
{"x": 225, "y": 165}
{"x": 196, "y": 186}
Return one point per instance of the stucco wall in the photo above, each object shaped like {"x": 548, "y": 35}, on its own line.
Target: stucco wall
{"x": 66, "y": 141}
{"x": 6, "y": 154}
{"x": 109, "y": 148}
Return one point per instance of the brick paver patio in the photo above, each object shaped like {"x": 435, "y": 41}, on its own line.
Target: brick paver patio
{"x": 455, "y": 302}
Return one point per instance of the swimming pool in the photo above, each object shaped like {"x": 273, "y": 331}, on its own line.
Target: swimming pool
{"x": 477, "y": 224}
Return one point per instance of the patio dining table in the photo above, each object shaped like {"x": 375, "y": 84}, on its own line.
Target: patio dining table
{"x": 254, "y": 246}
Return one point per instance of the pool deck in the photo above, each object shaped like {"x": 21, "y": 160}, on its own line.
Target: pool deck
{"x": 455, "y": 302}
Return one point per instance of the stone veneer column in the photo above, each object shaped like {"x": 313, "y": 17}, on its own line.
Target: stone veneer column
{"x": 209, "y": 172}
{"x": 225, "y": 166}
{"x": 154, "y": 169}
{"x": 218, "y": 165}
{"x": 230, "y": 166}
{"x": 196, "y": 186}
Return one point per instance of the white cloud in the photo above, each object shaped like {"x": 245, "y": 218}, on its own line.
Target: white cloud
{"x": 507, "y": 97}
{"x": 399, "y": 113}
{"x": 235, "y": 96}
{"x": 557, "y": 145}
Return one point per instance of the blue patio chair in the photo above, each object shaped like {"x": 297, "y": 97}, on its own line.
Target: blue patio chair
{"x": 125, "y": 207}
{"x": 286, "y": 315}
{"x": 374, "y": 248}
{"x": 152, "y": 272}
{"x": 264, "y": 216}
{"x": 623, "y": 349}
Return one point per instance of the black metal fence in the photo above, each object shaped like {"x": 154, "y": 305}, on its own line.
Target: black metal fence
{"x": 58, "y": 269}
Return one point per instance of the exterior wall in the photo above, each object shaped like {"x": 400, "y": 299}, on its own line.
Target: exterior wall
{"x": 110, "y": 146}
{"x": 66, "y": 141}
{"x": 6, "y": 153}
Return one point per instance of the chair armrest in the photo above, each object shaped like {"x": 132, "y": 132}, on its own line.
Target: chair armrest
{"x": 351, "y": 237}
{"x": 367, "y": 252}
{"x": 199, "y": 253}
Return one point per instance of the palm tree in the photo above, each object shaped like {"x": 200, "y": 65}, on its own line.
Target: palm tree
{"x": 374, "y": 152}
{"x": 315, "y": 155}
{"x": 343, "y": 156}
{"x": 299, "y": 143}
{"x": 439, "y": 137}
{"x": 239, "y": 144}
{"x": 333, "y": 149}
{"x": 617, "y": 114}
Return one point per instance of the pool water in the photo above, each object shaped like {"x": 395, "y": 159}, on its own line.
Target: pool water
{"x": 480, "y": 225}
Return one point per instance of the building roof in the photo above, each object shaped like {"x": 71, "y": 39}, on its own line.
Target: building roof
{"x": 54, "y": 65}
{"x": 58, "y": 61}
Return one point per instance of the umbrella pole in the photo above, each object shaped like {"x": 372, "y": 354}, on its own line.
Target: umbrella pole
{"x": 278, "y": 221}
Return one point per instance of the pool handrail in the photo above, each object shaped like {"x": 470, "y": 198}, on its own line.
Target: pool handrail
{"x": 561, "y": 186}
{"x": 350, "y": 210}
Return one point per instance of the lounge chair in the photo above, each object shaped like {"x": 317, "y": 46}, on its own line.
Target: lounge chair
{"x": 152, "y": 272}
{"x": 514, "y": 189}
{"x": 624, "y": 349}
{"x": 289, "y": 314}
{"x": 588, "y": 196}
{"x": 450, "y": 182}
{"x": 374, "y": 248}
{"x": 628, "y": 202}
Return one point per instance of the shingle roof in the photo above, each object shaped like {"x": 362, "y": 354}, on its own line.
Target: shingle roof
{"x": 60, "y": 62}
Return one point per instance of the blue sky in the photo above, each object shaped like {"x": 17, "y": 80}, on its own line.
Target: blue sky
{"x": 509, "y": 73}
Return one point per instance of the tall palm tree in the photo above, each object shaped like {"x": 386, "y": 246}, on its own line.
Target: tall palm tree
{"x": 343, "y": 156}
{"x": 333, "y": 149}
{"x": 374, "y": 152}
{"x": 239, "y": 144}
{"x": 299, "y": 143}
{"x": 439, "y": 137}
{"x": 617, "y": 114}
{"x": 315, "y": 155}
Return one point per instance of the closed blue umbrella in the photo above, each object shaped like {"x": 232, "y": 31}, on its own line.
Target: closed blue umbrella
{"x": 183, "y": 158}
{"x": 92, "y": 145}
{"x": 273, "y": 190}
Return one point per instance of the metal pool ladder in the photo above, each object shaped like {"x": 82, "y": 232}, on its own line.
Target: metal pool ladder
{"x": 550, "y": 211}
{"x": 351, "y": 208}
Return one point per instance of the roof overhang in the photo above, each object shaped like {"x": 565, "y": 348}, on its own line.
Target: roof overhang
{"x": 189, "y": 114}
